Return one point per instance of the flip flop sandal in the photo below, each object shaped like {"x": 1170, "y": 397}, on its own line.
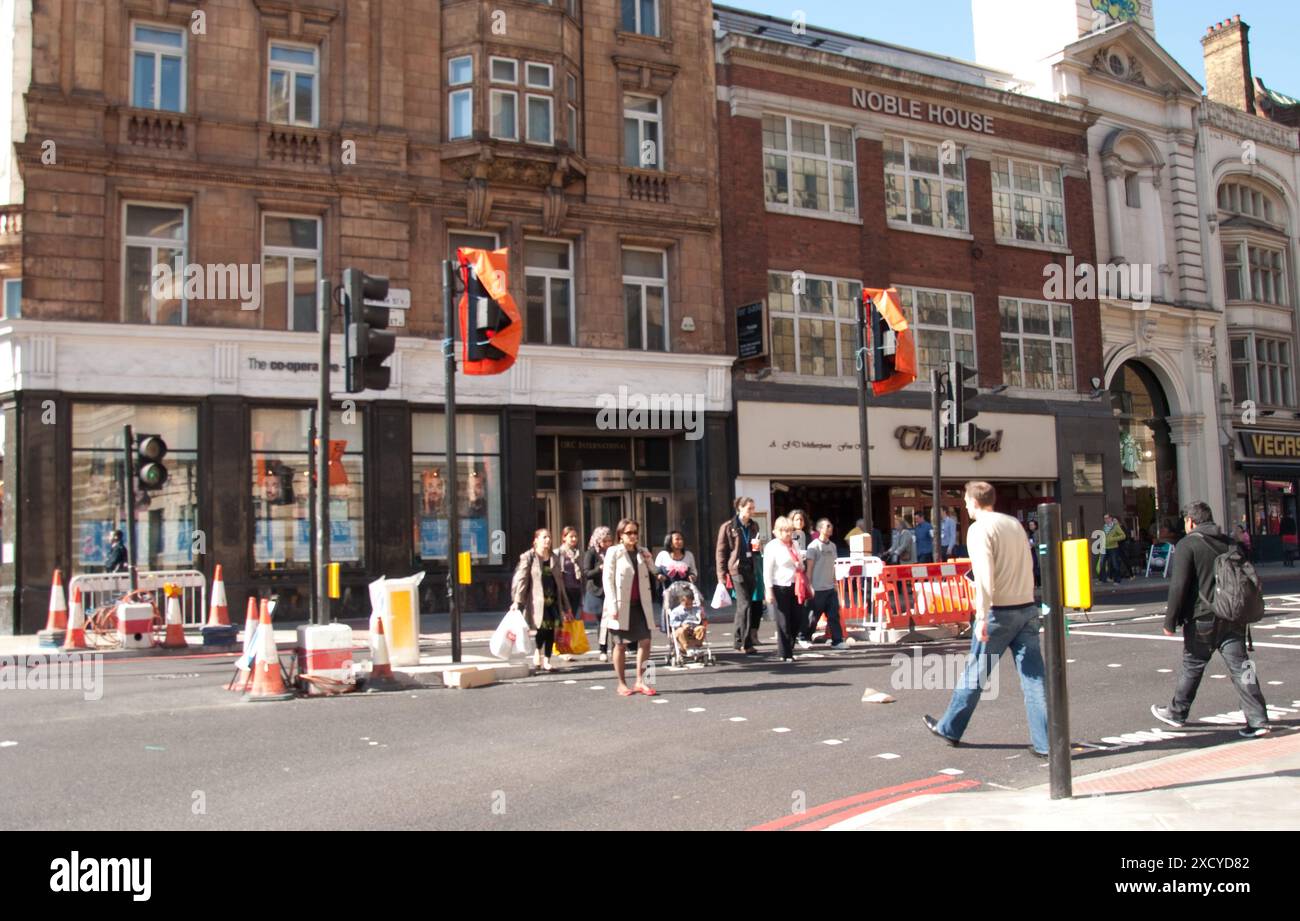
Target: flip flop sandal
{"x": 647, "y": 691}
{"x": 625, "y": 692}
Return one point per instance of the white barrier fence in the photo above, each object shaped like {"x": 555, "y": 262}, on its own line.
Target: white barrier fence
{"x": 101, "y": 588}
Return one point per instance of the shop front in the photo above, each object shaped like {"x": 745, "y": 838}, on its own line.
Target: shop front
{"x": 1269, "y": 464}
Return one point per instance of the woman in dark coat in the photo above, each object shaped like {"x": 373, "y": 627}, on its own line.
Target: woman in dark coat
{"x": 593, "y": 572}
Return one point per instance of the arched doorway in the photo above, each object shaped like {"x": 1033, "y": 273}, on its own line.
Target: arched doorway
{"x": 1148, "y": 458}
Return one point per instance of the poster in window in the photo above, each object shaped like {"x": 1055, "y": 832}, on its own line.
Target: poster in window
{"x": 433, "y": 493}
{"x": 343, "y": 541}
{"x": 433, "y": 537}
{"x": 269, "y": 541}
{"x": 91, "y": 546}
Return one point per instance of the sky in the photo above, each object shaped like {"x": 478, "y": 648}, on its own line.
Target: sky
{"x": 944, "y": 27}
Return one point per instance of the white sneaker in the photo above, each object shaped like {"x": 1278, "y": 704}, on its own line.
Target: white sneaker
{"x": 804, "y": 644}
{"x": 840, "y": 645}
{"x": 604, "y": 657}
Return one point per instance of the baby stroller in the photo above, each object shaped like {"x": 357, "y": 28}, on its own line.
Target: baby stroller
{"x": 693, "y": 632}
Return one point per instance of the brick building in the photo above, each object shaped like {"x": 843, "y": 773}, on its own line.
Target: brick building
{"x": 846, "y": 161}
{"x": 284, "y": 140}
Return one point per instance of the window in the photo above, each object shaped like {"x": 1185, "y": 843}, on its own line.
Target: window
{"x": 640, "y": 16}
{"x": 814, "y": 324}
{"x": 462, "y": 238}
{"x": 548, "y": 280}
{"x": 1088, "y": 473}
{"x": 13, "y": 298}
{"x": 572, "y": 86}
{"x": 538, "y": 76}
{"x": 1261, "y": 370}
{"x": 505, "y": 70}
{"x": 478, "y": 480}
{"x": 167, "y": 518}
{"x": 1037, "y": 345}
{"x": 808, "y": 166}
{"x": 1028, "y": 202}
{"x": 645, "y": 298}
{"x": 1239, "y": 198}
{"x": 505, "y": 115}
{"x": 641, "y": 132}
{"x": 291, "y": 269}
{"x": 293, "y": 98}
{"x": 281, "y": 517}
{"x": 1253, "y": 273}
{"x": 154, "y": 236}
{"x": 1132, "y": 191}
{"x": 158, "y": 68}
{"x": 920, "y": 189}
{"x": 944, "y": 326}
{"x": 460, "y": 102}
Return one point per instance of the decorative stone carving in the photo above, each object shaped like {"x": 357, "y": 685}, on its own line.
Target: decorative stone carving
{"x": 478, "y": 200}
{"x": 554, "y": 205}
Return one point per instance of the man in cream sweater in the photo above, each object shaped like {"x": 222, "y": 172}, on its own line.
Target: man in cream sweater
{"x": 1006, "y": 617}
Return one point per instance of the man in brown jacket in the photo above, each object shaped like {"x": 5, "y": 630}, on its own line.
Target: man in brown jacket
{"x": 737, "y": 553}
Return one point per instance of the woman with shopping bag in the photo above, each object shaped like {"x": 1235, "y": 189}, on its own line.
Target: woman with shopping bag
{"x": 538, "y": 593}
{"x": 629, "y": 604}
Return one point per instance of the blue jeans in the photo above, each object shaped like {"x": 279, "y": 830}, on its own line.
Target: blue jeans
{"x": 1112, "y": 566}
{"x": 1016, "y": 629}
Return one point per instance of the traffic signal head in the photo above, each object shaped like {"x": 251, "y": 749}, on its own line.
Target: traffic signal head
{"x": 149, "y": 470}
{"x": 490, "y": 325}
{"x": 884, "y": 346}
{"x": 366, "y": 340}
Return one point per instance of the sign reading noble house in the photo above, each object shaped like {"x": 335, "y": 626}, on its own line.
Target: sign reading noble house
{"x": 915, "y": 109}
{"x": 798, "y": 439}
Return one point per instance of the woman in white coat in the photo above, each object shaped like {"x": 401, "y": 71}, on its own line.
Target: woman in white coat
{"x": 629, "y": 604}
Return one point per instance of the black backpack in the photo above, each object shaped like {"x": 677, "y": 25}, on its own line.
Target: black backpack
{"x": 1238, "y": 595}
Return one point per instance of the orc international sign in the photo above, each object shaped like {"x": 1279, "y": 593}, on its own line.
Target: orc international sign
{"x": 808, "y": 440}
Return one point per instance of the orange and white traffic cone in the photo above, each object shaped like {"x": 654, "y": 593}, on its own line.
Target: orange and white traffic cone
{"x": 218, "y": 632}
{"x": 268, "y": 682}
{"x": 175, "y": 638}
{"x": 76, "y": 637}
{"x": 245, "y": 674}
{"x": 380, "y": 669}
{"x": 220, "y": 615}
{"x": 57, "y": 623}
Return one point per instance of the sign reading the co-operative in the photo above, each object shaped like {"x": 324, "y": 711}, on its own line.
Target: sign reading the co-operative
{"x": 915, "y": 109}
{"x": 1271, "y": 446}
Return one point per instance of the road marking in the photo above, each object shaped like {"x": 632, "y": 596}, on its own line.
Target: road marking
{"x": 780, "y": 729}
{"x": 998, "y": 786}
{"x": 1069, "y": 661}
{"x": 831, "y": 742}
{"x": 1275, "y": 683}
{"x": 1165, "y": 671}
{"x": 1114, "y": 665}
{"x": 1218, "y": 676}
{"x": 571, "y": 681}
{"x": 952, "y": 772}
{"x": 888, "y": 756}
{"x": 8, "y": 743}
{"x": 1173, "y": 639}
{"x": 596, "y": 687}
{"x": 659, "y": 700}
{"x": 694, "y": 709}
{"x": 738, "y": 719}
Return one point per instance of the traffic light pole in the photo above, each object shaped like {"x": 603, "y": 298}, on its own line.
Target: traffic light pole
{"x": 1058, "y": 701}
{"x": 864, "y": 369}
{"x": 449, "y": 325}
{"x": 936, "y": 475}
{"x": 128, "y": 455}
{"x": 320, "y": 607}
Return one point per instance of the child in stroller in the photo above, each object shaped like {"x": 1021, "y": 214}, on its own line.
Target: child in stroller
{"x": 687, "y": 625}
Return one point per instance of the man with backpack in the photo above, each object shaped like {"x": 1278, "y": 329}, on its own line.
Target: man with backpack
{"x": 1214, "y": 595}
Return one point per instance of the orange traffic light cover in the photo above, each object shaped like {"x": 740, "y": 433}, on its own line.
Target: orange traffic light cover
{"x": 886, "y": 302}
{"x": 490, "y": 267}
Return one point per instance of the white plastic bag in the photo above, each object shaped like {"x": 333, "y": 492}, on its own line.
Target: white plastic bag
{"x": 721, "y": 597}
{"x": 512, "y": 636}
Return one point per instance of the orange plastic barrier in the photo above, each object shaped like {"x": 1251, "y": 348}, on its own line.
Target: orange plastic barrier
{"x": 905, "y": 597}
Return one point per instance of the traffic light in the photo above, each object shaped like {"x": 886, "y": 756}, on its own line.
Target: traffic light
{"x": 367, "y": 342}
{"x": 149, "y": 453}
{"x": 959, "y": 407}
{"x": 884, "y": 347}
{"x": 490, "y": 324}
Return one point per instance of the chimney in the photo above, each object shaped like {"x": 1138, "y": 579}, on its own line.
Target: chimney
{"x": 1227, "y": 64}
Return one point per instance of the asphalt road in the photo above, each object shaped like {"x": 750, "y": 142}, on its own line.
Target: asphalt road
{"x": 740, "y": 744}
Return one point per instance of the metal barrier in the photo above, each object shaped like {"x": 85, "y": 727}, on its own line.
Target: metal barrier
{"x": 906, "y": 597}
{"x": 101, "y": 588}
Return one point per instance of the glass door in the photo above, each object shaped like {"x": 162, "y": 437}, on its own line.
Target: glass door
{"x": 603, "y": 508}
{"x": 545, "y": 504}
{"x": 654, "y": 520}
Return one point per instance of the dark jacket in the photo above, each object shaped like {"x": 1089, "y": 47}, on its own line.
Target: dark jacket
{"x": 728, "y": 550}
{"x": 593, "y": 569}
{"x": 1193, "y": 574}
{"x": 116, "y": 559}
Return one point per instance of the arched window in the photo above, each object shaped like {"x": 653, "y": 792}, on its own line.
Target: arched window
{"x": 1254, "y": 242}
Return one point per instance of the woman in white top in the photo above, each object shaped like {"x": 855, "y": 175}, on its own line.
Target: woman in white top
{"x": 799, "y": 536}
{"x": 781, "y": 559}
{"x": 675, "y": 563}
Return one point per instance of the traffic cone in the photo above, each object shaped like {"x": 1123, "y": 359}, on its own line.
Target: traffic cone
{"x": 268, "y": 682}
{"x": 241, "y": 682}
{"x": 57, "y": 624}
{"x": 76, "y": 638}
{"x": 175, "y": 638}
{"x": 220, "y": 616}
{"x": 380, "y": 669}
{"x": 218, "y": 631}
